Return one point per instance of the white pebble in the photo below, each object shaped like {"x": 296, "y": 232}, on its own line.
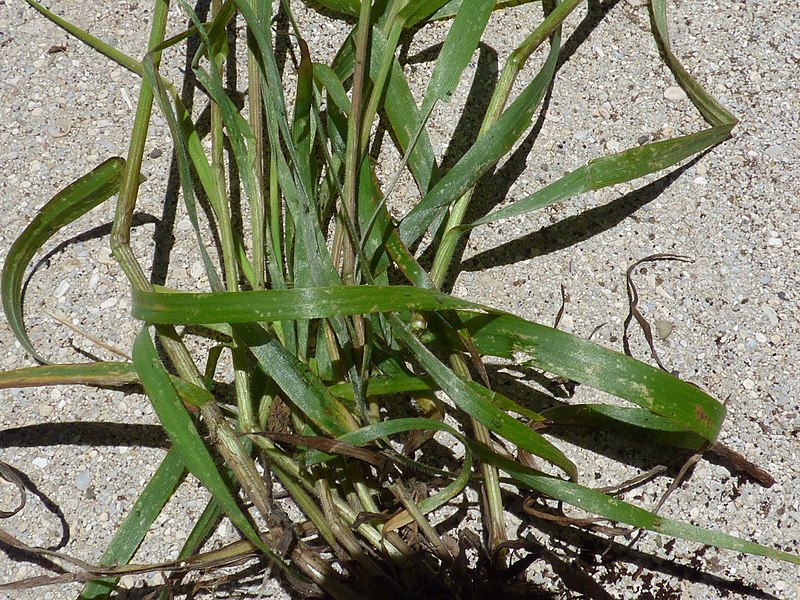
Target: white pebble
{"x": 83, "y": 481}
{"x": 674, "y": 93}
{"x": 62, "y": 288}
{"x": 775, "y": 151}
{"x": 775, "y": 242}
{"x": 44, "y": 410}
{"x": 748, "y": 384}
{"x": 771, "y": 314}
{"x": 40, "y": 462}
{"x": 108, "y": 303}
{"x": 761, "y": 338}
{"x": 59, "y": 128}
{"x": 197, "y": 270}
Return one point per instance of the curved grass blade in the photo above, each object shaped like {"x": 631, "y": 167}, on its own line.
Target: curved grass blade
{"x": 69, "y": 204}
{"x": 143, "y": 513}
{"x": 569, "y": 356}
{"x": 712, "y": 111}
{"x": 186, "y": 439}
{"x": 287, "y": 305}
{"x": 628, "y": 421}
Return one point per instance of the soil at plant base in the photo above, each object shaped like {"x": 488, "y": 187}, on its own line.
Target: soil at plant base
{"x": 728, "y": 321}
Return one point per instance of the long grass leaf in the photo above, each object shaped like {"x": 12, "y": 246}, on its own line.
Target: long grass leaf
{"x": 610, "y": 170}
{"x": 296, "y": 381}
{"x": 284, "y": 305}
{"x": 477, "y": 402}
{"x": 69, "y": 204}
{"x": 623, "y": 512}
{"x": 186, "y": 439}
{"x": 141, "y": 516}
{"x": 99, "y": 374}
{"x": 451, "y": 9}
{"x": 462, "y": 40}
{"x": 569, "y": 356}
{"x": 712, "y": 111}
{"x": 405, "y": 119}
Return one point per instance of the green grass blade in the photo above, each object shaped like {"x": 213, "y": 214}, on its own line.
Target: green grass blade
{"x": 615, "y": 168}
{"x": 69, "y": 204}
{"x": 481, "y": 156}
{"x": 297, "y": 381}
{"x": 301, "y": 119}
{"x": 405, "y": 119}
{"x": 348, "y": 8}
{"x": 310, "y": 238}
{"x": 622, "y": 512}
{"x": 416, "y": 12}
{"x": 478, "y": 402}
{"x": 131, "y": 532}
{"x": 632, "y": 422}
{"x": 712, "y": 111}
{"x": 184, "y": 435}
{"x": 386, "y": 386}
{"x": 459, "y": 46}
{"x": 187, "y": 148}
{"x": 569, "y": 356}
{"x": 286, "y": 305}
{"x": 99, "y": 374}
{"x": 449, "y": 10}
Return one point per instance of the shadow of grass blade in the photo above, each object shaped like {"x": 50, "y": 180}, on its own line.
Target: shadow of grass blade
{"x": 69, "y": 204}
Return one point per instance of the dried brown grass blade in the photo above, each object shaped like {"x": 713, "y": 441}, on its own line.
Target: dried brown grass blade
{"x": 633, "y": 302}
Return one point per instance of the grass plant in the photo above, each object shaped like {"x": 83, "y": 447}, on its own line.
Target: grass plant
{"x": 347, "y": 357}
